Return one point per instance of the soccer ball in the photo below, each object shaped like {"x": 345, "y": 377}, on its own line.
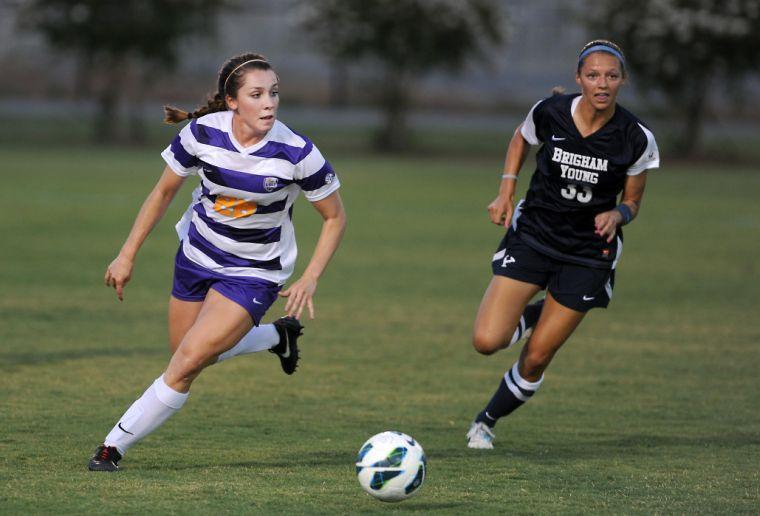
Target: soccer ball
{"x": 391, "y": 466}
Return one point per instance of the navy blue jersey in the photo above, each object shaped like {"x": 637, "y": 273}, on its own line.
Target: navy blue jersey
{"x": 577, "y": 178}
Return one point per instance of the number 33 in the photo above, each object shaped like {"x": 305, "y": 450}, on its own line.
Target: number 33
{"x": 571, "y": 192}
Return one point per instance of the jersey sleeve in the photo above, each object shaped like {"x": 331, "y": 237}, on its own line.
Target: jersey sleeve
{"x": 649, "y": 158}
{"x": 528, "y": 128}
{"x": 181, "y": 154}
{"x": 315, "y": 176}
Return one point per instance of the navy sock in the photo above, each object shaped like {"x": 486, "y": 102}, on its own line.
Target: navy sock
{"x": 513, "y": 391}
{"x": 527, "y": 321}
{"x": 532, "y": 313}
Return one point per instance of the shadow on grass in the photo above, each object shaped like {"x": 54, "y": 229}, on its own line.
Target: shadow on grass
{"x": 9, "y": 361}
{"x": 428, "y": 506}
{"x": 288, "y": 461}
{"x": 624, "y": 446}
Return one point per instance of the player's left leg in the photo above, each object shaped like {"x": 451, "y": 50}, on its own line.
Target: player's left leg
{"x": 280, "y": 337}
{"x": 191, "y": 285}
{"x": 556, "y": 324}
{"x": 523, "y": 379}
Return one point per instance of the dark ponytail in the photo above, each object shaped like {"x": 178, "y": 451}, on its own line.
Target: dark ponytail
{"x": 174, "y": 115}
{"x": 229, "y": 81}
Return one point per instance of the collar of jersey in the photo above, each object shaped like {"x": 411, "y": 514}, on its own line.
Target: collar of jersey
{"x": 573, "y": 106}
{"x": 253, "y": 148}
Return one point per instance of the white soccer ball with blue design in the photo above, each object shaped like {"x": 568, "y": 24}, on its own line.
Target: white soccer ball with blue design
{"x": 391, "y": 466}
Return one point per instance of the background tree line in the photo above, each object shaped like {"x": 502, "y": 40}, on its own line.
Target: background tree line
{"x": 679, "y": 52}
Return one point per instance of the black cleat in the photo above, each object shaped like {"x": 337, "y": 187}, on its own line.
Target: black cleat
{"x": 106, "y": 458}
{"x": 289, "y": 330}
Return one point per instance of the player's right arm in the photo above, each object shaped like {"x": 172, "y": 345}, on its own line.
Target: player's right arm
{"x": 119, "y": 271}
{"x": 501, "y": 209}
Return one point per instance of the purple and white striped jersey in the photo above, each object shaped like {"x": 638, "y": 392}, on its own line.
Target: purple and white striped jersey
{"x": 239, "y": 221}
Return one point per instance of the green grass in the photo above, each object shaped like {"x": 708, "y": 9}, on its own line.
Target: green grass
{"x": 651, "y": 407}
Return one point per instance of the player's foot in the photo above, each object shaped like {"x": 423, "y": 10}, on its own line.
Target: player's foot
{"x": 480, "y": 436}
{"x": 106, "y": 458}
{"x": 289, "y": 330}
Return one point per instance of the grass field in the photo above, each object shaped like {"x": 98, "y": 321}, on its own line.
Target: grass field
{"x": 652, "y": 407}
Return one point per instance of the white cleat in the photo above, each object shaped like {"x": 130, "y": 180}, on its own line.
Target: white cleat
{"x": 480, "y": 436}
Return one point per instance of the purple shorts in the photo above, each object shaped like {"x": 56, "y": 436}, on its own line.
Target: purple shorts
{"x": 191, "y": 283}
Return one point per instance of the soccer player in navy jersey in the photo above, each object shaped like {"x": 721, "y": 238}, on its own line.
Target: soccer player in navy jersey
{"x": 237, "y": 242}
{"x": 565, "y": 237}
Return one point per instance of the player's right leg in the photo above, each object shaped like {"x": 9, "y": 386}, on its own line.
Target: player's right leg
{"x": 519, "y": 272}
{"x": 182, "y": 316}
{"x": 523, "y": 379}
{"x": 504, "y": 316}
{"x": 220, "y": 323}
{"x": 499, "y": 314}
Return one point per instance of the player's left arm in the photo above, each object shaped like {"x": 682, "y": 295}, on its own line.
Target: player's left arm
{"x": 301, "y": 292}
{"x": 607, "y": 222}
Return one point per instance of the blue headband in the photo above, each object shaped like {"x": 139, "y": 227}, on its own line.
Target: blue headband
{"x": 601, "y": 48}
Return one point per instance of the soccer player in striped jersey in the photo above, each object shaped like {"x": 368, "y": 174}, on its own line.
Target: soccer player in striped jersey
{"x": 566, "y": 236}
{"x": 237, "y": 243}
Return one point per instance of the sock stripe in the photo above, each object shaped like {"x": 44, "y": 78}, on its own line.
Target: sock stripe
{"x": 512, "y": 393}
{"x": 520, "y": 393}
{"x": 523, "y": 383}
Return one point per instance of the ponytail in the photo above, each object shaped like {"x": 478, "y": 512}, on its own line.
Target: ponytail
{"x": 173, "y": 115}
{"x": 558, "y": 90}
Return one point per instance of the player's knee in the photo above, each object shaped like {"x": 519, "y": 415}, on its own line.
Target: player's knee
{"x": 485, "y": 344}
{"x": 535, "y": 361}
{"x": 189, "y": 363}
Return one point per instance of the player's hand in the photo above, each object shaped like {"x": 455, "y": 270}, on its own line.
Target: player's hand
{"x": 606, "y": 224}
{"x": 118, "y": 274}
{"x": 300, "y": 294}
{"x": 500, "y": 211}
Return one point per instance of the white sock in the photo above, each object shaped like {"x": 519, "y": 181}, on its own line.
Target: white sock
{"x": 157, "y": 404}
{"x": 519, "y": 331}
{"x": 259, "y": 338}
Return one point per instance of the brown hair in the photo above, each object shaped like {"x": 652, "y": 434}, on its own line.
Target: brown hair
{"x": 229, "y": 81}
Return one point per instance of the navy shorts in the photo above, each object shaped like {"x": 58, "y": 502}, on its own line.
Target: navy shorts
{"x": 577, "y": 287}
{"x": 192, "y": 282}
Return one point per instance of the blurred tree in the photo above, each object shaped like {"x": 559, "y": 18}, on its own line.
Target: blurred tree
{"x": 684, "y": 49}
{"x": 408, "y": 38}
{"x": 113, "y": 39}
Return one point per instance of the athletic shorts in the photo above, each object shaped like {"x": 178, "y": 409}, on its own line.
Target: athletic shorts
{"x": 192, "y": 282}
{"x": 577, "y": 287}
